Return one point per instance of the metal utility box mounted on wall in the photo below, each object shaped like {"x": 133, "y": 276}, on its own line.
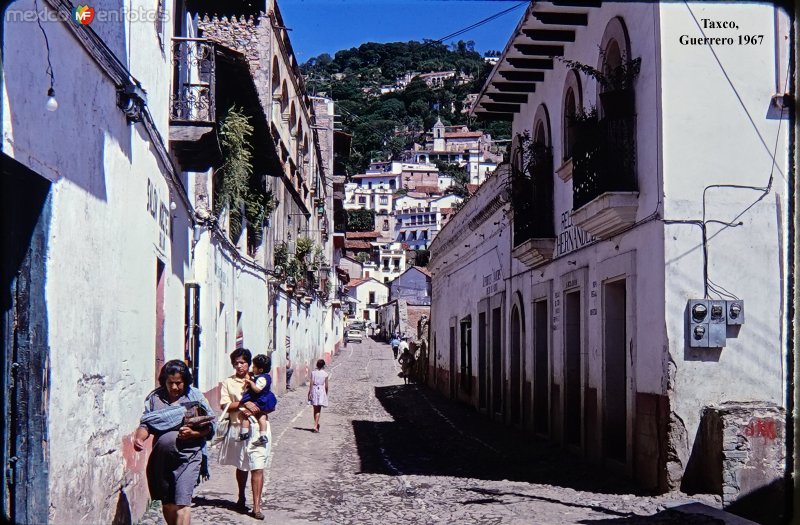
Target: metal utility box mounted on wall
{"x": 709, "y": 319}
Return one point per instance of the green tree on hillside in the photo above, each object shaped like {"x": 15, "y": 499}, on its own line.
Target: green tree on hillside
{"x": 361, "y": 220}
{"x": 353, "y": 78}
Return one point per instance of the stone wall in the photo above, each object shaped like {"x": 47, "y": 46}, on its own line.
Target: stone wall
{"x": 739, "y": 453}
{"x": 249, "y": 37}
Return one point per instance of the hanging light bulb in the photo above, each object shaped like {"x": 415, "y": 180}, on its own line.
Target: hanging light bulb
{"x": 52, "y": 103}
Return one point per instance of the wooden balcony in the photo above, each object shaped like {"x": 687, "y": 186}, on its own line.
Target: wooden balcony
{"x": 193, "y": 120}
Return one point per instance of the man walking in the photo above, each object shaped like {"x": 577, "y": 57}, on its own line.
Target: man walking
{"x": 395, "y": 342}
{"x": 403, "y": 346}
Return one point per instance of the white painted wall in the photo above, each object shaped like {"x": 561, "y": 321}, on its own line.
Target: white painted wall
{"x": 725, "y": 113}
{"x": 684, "y": 143}
{"x": 102, "y": 251}
{"x": 226, "y": 288}
{"x": 361, "y": 294}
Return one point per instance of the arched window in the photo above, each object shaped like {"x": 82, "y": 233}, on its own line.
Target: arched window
{"x": 573, "y": 104}
{"x": 276, "y": 77}
{"x": 532, "y": 197}
{"x": 613, "y": 57}
{"x": 539, "y": 135}
{"x": 615, "y": 96}
{"x": 293, "y": 120}
{"x": 284, "y": 99}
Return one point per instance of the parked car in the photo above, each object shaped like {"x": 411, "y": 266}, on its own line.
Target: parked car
{"x": 354, "y": 334}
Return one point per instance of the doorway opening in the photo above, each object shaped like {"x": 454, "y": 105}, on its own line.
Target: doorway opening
{"x": 497, "y": 362}
{"x": 572, "y": 379}
{"x": 159, "y": 343}
{"x": 24, "y": 363}
{"x": 466, "y": 355}
{"x": 541, "y": 365}
{"x": 482, "y": 362}
{"x": 615, "y": 398}
{"x": 191, "y": 335}
{"x": 453, "y": 374}
{"x": 515, "y": 380}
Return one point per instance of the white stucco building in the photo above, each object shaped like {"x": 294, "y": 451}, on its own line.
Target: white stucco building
{"x": 111, "y": 218}
{"x": 367, "y": 295}
{"x": 561, "y": 291}
{"x": 391, "y": 260}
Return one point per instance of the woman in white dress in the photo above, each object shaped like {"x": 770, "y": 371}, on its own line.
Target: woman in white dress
{"x": 246, "y": 456}
{"x": 318, "y": 391}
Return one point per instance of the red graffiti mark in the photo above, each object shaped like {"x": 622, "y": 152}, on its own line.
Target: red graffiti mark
{"x": 135, "y": 462}
{"x": 761, "y": 428}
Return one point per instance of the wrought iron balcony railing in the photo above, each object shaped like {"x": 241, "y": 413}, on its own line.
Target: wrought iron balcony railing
{"x": 532, "y": 192}
{"x": 193, "y": 98}
{"x": 604, "y": 159}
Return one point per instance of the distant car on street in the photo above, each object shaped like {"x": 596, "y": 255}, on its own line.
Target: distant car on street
{"x": 354, "y": 334}
{"x": 357, "y": 325}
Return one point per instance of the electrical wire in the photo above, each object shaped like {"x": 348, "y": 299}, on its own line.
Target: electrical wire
{"x": 49, "y": 70}
{"x": 708, "y": 284}
{"x": 477, "y": 24}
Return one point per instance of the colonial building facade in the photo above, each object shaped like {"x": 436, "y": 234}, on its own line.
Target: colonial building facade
{"x": 122, "y": 248}
{"x": 592, "y": 291}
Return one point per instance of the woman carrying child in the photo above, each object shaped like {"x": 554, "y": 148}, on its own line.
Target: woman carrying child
{"x": 246, "y": 456}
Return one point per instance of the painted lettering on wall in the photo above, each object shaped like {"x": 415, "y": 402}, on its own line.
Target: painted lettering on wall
{"x": 159, "y": 210}
{"x": 571, "y": 237}
{"x": 761, "y": 428}
{"x": 490, "y": 281}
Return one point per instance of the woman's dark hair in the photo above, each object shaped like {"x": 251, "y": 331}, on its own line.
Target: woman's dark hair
{"x": 176, "y": 366}
{"x": 263, "y": 362}
{"x": 320, "y": 364}
{"x": 244, "y": 353}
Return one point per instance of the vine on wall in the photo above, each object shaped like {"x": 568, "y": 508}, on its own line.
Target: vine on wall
{"x": 236, "y": 187}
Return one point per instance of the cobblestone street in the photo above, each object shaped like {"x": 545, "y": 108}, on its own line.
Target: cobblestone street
{"x": 389, "y": 453}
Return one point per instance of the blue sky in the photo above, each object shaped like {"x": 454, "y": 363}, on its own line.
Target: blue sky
{"x": 325, "y": 26}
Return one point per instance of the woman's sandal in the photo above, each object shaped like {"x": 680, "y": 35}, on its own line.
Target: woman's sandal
{"x": 240, "y": 506}
{"x": 258, "y": 515}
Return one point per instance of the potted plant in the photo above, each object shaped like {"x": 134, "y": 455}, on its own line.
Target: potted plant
{"x": 616, "y": 83}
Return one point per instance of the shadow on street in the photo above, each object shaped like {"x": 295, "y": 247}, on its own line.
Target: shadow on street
{"x": 433, "y": 436}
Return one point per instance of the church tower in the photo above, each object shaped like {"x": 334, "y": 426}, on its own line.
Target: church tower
{"x": 438, "y": 135}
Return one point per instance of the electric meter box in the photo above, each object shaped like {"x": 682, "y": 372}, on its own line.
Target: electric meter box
{"x": 735, "y": 310}
{"x": 709, "y": 320}
{"x": 698, "y": 323}
{"x": 717, "y": 324}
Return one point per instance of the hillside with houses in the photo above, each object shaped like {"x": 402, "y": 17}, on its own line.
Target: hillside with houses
{"x": 413, "y": 157}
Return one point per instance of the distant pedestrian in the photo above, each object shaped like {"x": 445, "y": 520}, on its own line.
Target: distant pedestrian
{"x": 318, "y": 391}
{"x": 403, "y": 346}
{"x": 246, "y": 456}
{"x": 257, "y": 400}
{"x": 289, "y": 371}
{"x": 395, "y": 342}
{"x": 178, "y": 460}
{"x": 406, "y": 363}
